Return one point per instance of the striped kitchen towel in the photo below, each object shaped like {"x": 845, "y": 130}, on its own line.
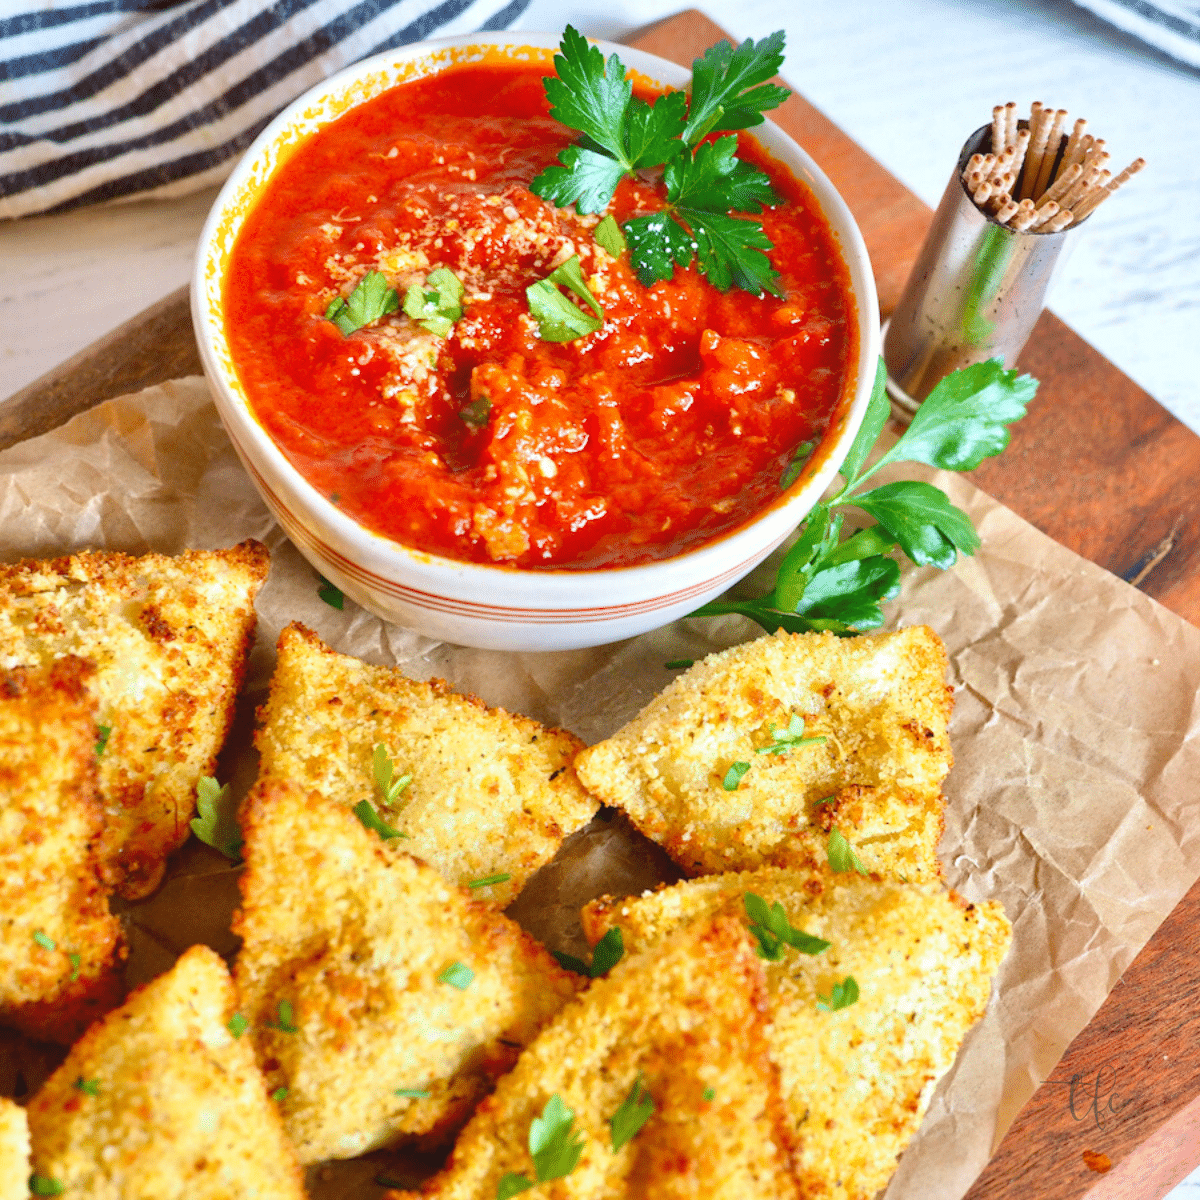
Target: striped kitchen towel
{"x": 109, "y": 99}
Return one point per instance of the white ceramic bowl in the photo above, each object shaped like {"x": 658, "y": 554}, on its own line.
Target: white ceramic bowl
{"x": 499, "y": 607}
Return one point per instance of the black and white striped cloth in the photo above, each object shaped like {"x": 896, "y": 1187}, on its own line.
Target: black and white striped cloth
{"x": 1171, "y": 25}
{"x": 108, "y": 99}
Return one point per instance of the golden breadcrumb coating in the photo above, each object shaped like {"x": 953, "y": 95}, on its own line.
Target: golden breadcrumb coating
{"x": 169, "y": 638}
{"x": 880, "y": 702}
{"x": 491, "y": 793}
{"x": 354, "y": 934}
{"x": 14, "y": 1152}
{"x": 160, "y": 1101}
{"x": 60, "y": 947}
{"x": 687, "y": 1016}
{"x": 855, "y": 1081}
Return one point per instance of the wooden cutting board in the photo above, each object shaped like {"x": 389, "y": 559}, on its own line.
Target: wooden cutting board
{"x": 1099, "y": 466}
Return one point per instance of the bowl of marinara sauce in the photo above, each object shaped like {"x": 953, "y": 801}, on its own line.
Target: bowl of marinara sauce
{"x": 471, "y": 478}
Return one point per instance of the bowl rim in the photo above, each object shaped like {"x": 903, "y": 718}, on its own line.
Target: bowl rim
{"x": 557, "y": 586}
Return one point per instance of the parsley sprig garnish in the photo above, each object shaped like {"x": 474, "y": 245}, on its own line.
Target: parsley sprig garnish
{"x": 704, "y": 181}
{"x": 216, "y": 821}
{"x": 774, "y": 932}
{"x": 827, "y": 583}
{"x": 609, "y": 951}
{"x": 554, "y": 1145}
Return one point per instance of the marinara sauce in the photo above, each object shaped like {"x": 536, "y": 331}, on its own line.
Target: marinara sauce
{"x": 672, "y": 423}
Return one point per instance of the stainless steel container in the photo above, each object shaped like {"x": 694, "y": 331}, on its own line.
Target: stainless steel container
{"x": 975, "y": 291}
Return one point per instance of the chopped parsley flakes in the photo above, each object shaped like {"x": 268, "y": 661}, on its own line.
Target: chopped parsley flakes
{"x": 842, "y": 995}
{"x": 457, "y": 975}
{"x": 371, "y": 299}
{"x": 636, "y": 1109}
{"x": 774, "y": 931}
{"x": 558, "y": 319}
{"x": 389, "y": 784}
{"x": 436, "y": 304}
{"x": 734, "y": 776}
{"x": 488, "y": 880}
{"x": 789, "y": 738}
{"x": 608, "y": 952}
{"x": 841, "y": 854}
{"x": 216, "y": 821}
{"x": 555, "y": 1148}
{"x": 287, "y": 1018}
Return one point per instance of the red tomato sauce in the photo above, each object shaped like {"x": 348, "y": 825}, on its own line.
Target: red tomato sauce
{"x": 671, "y": 424}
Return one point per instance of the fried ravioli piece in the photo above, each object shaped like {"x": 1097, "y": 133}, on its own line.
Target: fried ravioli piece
{"x": 686, "y": 1018}
{"x": 490, "y": 793}
{"x": 14, "y": 1152}
{"x": 394, "y": 979}
{"x": 856, "y": 1081}
{"x": 169, "y": 638}
{"x": 60, "y": 947}
{"x": 160, "y": 1101}
{"x": 713, "y": 768}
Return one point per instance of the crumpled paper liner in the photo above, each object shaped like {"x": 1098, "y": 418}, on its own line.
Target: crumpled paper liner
{"x": 1076, "y": 733}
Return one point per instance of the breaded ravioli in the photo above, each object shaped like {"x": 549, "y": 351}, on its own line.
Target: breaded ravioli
{"x": 60, "y": 947}
{"x": 685, "y": 1021}
{"x": 855, "y": 1080}
{"x": 717, "y": 768}
{"x": 14, "y": 1152}
{"x": 385, "y": 1000}
{"x": 169, "y": 638}
{"x": 489, "y": 793}
{"x": 161, "y": 1101}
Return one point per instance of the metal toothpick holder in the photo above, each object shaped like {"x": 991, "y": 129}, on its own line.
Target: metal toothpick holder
{"x": 975, "y": 292}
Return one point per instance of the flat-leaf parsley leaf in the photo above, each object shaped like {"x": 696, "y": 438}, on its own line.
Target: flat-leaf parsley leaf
{"x": 841, "y": 854}
{"x": 552, "y": 1142}
{"x": 331, "y": 594}
{"x": 636, "y": 1109}
{"x": 216, "y": 821}
{"x": 792, "y": 736}
{"x": 774, "y": 931}
{"x": 825, "y": 582}
{"x": 371, "y": 299}
{"x": 558, "y": 319}
{"x": 841, "y": 995}
{"x": 608, "y": 952}
{"x": 704, "y": 181}
{"x": 364, "y": 810}
{"x": 390, "y": 784}
{"x": 436, "y": 304}
{"x": 457, "y": 975}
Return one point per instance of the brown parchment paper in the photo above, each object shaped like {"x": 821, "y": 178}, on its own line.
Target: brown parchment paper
{"x": 1076, "y": 734}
